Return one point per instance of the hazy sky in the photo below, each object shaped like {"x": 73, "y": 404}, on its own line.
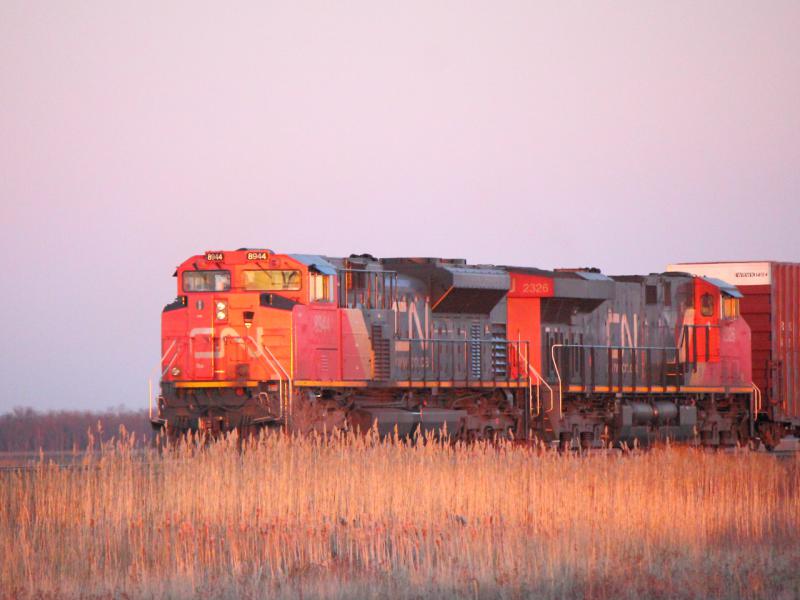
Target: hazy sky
{"x": 624, "y": 135}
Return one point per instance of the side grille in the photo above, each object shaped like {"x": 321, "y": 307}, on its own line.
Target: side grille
{"x": 324, "y": 365}
{"x": 499, "y": 350}
{"x": 475, "y": 351}
{"x": 380, "y": 348}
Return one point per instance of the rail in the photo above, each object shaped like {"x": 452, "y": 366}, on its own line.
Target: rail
{"x": 755, "y": 407}
{"x": 756, "y": 399}
{"x": 558, "y": 375}
{"x": 688, "y": 342}
{"x": 363, "y": 288}
{"x": 539, "y": 381}
{"x": 463, "y": 360}
{"x": 582, "y": 365}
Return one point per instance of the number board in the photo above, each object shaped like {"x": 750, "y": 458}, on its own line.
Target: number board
{"x": 215, "y": 256}
{"x": 530, "y": 286}
{"x": 257, "y": 255}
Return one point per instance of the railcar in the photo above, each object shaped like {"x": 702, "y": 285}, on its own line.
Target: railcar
{"x": 771, "y": 306}
{"x": 257, "y": 339}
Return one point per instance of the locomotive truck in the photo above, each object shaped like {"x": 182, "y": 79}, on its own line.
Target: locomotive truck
{"x": 572, "y": 357}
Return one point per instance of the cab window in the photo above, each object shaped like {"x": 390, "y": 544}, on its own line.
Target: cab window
{"x": 206, "y": 281}
{"x": 730, "y": 307}
{"x": 707, "y": 305}
{"x": 275, "y": 280}
{"x": 320, "y": 287}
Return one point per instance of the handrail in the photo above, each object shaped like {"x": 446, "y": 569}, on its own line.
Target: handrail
{"x": 547, "y": 385}
{"x": 684, "y": 341}
{"x": 277, "y": 362}
{"x": 558, "y": 375}
{"x": 150, "y": 398}
{"x": 757, "y": 397}
{"x": 276, "y": 370}
{"x": 368, "y": 299}
{"x": 634, "y": 349}
{"x": 539, "y": 380}
{"x": 756, "y": 403}
{"x": 617, "y": 347}
{"x": 538, "y": 383}
{"x": 274, "y": 361}
{"x": 755, "y": 407}
{"x": 687, "y": 326}
{"x": 271, "y": 361}
{"x": 527, "y": 372}
{"x": 456, "y": 341}
{"x": 427, "y": 345}
{"x": 270, "y": 364}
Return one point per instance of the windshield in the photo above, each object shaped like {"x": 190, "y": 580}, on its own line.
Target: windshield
{"x": 206, "y": 281}
{"x": 275, "y": 280}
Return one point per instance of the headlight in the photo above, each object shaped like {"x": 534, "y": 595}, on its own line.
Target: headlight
{"x": 175, "y": 371}
{"x": 222, "y": 310}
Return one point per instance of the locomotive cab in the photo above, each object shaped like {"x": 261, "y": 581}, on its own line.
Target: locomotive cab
{"x": 228, "y": 333}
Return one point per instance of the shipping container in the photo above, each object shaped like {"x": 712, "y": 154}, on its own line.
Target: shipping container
{"x": 771, "y": 306}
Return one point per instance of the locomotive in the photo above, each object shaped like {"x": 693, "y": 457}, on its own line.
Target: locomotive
{"x": 572, "y": 357}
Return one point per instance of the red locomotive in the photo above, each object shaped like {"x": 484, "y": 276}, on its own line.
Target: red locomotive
{"x": 257, "y": 339}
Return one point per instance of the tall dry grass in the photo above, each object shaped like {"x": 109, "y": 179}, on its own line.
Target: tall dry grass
{"x": 360, "y": 517}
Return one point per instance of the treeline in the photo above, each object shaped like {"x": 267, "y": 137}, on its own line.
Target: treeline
{"x": 29, "y": 430}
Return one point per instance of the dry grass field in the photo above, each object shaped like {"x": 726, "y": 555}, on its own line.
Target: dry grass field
{"x": 360, "y": 517}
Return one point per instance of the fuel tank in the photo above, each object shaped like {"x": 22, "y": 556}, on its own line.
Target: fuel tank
{"x": 647, "y": 422}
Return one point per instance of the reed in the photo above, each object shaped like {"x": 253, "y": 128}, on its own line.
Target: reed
{"x": 356, "y": 516}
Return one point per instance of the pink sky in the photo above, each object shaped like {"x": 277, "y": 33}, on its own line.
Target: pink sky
{"x": 624, "y": 135}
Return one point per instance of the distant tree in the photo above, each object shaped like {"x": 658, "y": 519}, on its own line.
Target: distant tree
{"x": 25, "y": 429}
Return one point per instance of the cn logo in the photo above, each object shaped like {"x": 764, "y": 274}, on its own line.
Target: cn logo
{"x": 218, "y": 350}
